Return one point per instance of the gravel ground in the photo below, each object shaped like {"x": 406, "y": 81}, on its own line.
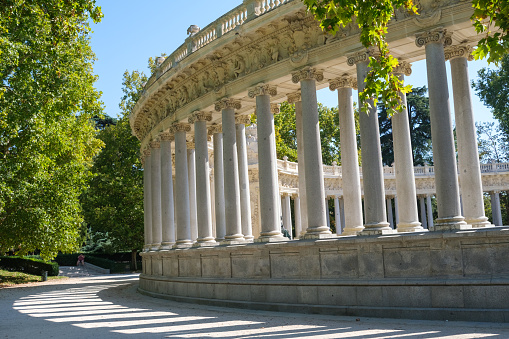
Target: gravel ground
{"x": 108, "y": 306}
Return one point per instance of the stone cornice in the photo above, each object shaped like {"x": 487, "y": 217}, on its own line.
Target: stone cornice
{"x": 242, "y": 119}
{"x": 343, "y": 82}
{"x": 459, "y": 51}
{"x": 227, "y": 103}
{"x": 200, "y": 116}
{"x": 437, "y": 35}
{"x": 215, "y": 129}
{"x": 180, "y": 127}
{"x": 294, "y": 97}
{"x": 262, "y": 89}
{"x": 403, "y": 68}
{"x": 307, "y": 73}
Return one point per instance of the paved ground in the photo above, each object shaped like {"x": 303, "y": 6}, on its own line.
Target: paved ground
{"x": 77, "y": 271}
{"x": 108, "y": 306}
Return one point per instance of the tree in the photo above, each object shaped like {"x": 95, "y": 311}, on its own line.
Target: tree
{"x": 490, "y": 17}
{"x": 47, "y": 141}
{"x": 113, "y": 204}
{"x": 492, "y": 87}
{"x": 491, "y": 142}
{"x": 420, "y": 128}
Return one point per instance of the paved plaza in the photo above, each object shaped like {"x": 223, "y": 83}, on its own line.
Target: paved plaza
{"x": 108, "y": 306}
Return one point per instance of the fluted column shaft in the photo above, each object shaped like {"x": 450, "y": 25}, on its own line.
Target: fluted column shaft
{"x": 444, "y": 155}
{"x": 349, "y": 156}
{"x": 429, "y": 212}
{"x": 245, "y": 195}
{"x": 203, "y": 205}
{"x": 231, "y": 171}
{"x": 287, "y": 216}
{"x": 315, "y": 192}
{"x": 167, "y": 208}
{"x": 298, "y": 217}
{"x": 337, "y": 215}
{"x": 155, "y": 181}
{"x": 267, "y": 169}
{"x": 147, "y": 199}
{"x": 404, "y": 164}
{"x": 218, "y": 182}
{"x": 468, "y": 155}
{"x": 191, "y": 169}
{"x": 182, "y": 186}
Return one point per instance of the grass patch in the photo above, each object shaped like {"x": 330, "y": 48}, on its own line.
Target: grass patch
{"x": 11, "y": 278}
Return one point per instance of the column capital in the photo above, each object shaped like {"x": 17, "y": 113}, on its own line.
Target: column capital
{"x": 262, "y": 89}
{"x": 403, "y": 68}
{"x": 293, "y": 97}
{"x": 362, "y": 56}
{"x": 166, "y": 136}
{"x": 173, "y": 158}
{"x": 307, "y": 73}
{"x": 227, "y": 103}
{"x": 459, "y": 51}
{"x": 155, "y": 144}
{"x": 180, "y": 127}
{"x": 242, "y": 119}
{"x": 190, "y": 143}
{"x": 437, "y": 35}
{"x": 274, "y": 108}
{"x": 343, "y": 82}
{"x": 200, "y": 116}
{"x": 215, "y": 129}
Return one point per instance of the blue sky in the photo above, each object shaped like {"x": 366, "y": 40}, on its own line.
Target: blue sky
{"x": 132, "y": 31}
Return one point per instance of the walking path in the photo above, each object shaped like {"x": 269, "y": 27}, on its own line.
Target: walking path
{"x": 108, "y": 306}
{"x": 78, "y": 271}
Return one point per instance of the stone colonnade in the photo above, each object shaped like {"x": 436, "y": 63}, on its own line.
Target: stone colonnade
{"x": 231, "y": 203}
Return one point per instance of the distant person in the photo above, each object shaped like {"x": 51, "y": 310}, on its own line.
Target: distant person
{"x": 81, "y": 260}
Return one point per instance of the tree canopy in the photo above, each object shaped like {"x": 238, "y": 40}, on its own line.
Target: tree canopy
{"x": 47, "y": 140}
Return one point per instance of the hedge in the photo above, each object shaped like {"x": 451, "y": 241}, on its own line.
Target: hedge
{"x": 29, "y": 265}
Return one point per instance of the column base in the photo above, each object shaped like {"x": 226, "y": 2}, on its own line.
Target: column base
{"x": 410, "y": 227}
{"x": 318, "y": 232}
{"x": 155, "y": 247}
{"x": 381, "y": 228}
{"x": 249, "y": 238}
{"x": 208, "y": 243}
{"x": 451, "y": 224}
{"x": 166, "y": 246}
{"x": 271, "y": 238}
{"x": 356, "y": 230}
{"x": 238, "y": 241}
{"x": 481, "y": 222}
{"x": 183, "y": 244}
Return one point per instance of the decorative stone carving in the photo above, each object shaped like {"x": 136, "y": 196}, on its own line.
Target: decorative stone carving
{"x": 262, "y": 89}
{"x": 200, "y": 116}
{"x": 344, "y": 81}
{"x": 166, "y": 136}
{"x": 437, "y": 35}
{"x": 190, "y": 143}
{"x": 403, "y": 68}
{"x": 307, "y": 73}
{"x": 215, "y": 129}
{"x": 180, "y": 127}
{"x": 459, "y": 51}
{"x": 274, "y": 108}
{"x": 362, "y": 56}
{"x": 227, "y": 103}
{"x": 155, "y": 144}
{"x": 242, "y": 119}
{"x": 294, "y": 97}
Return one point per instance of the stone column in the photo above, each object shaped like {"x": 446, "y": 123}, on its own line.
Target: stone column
{"x": 423, "y": 212}
{"x": 466, "y": 135}
{"x": 337, "y": 214}
{"x": 182, "y": 186}
{"x": 404, "y": 163}
{"x": 231, "y": 171}
{"x": 167, "y": 209}
{"x": 495, "y": 208}
{"x": 203, "y": 206}
{"x": 327, "y": 211}
{"x": 147, "y": 199}
{"x": 155, "y": 151}
{"x": 343, "y": 222}
{"x": 315, "y": 193}
{"x": 349, "y": 157}
{"x": 390, "y": 217}
{"x": 372, "y": 170}
{"x": 217, "y": 132}
{"x": 298, "y": 218}
{"x": 191, "y": 169}
{"x": 267, "y": 169}
{"x": 287, "y": 215}
{"x": 245, "y": 194}
{"x": 295, "y": 98}
{"x": 396, "y": 209}
{"x": 444, "y": 155}
{"x": 430, "y": 212}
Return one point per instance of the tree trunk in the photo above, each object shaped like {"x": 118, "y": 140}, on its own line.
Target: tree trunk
{"x": 134, "y": 264}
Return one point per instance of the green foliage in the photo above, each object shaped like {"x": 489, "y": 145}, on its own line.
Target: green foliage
{"x": 113, "y": 205}
{"x": 491, "y": 143}
{"x": 29, "y": 265}
{"x": 492, "y": 87}
{"x": 420, "y": 128}
{"x": 47, "y": 142}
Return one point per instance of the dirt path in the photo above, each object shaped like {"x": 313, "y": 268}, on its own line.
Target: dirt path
{"x": 108, "y": 306}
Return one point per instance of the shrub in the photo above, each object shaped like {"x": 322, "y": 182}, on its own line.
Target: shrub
{"x": 29, "y": 265}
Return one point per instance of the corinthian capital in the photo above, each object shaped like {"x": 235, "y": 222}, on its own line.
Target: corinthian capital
{"x": 200, "y": 116}
{"x": 155, "y": 144}
{"x": 403, "y": 68}
{"x": 190, "y": 143}
{"x": 362, "y": 56}
{"x": 307, "y": 73}
{"x": 227, "y": 103}
{"x": 166, "y": 136}
{"x": 146, "y": 153}
{"x": 262, "y": 89}
{"x": 274, "y": 108}
{"x": 215, "y": 129}
{"x": 294, "y": 97}
{"x": 459, "y": 51}
{"x": 242, "y": 119}
{"x": 343, "y": 82}
{"x": 180, "y": 127}
{"x": 437, "y": 35}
